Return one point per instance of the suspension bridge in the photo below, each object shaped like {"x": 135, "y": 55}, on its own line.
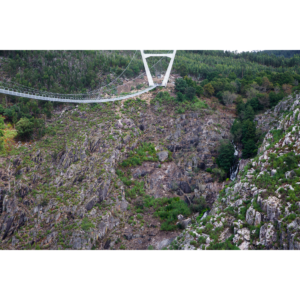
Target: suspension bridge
{"x": 15, "y": 89}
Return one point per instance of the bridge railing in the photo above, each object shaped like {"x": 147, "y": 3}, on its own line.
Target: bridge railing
{"x": 15, "y": 90}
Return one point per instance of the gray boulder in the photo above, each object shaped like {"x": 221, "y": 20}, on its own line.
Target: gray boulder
{"x": 257, "y": 218}
{"x": 90, "y": 205}
{"x": 185, "y": 223}
{"x": 126, "y": 139}
{"x": 163, "y": 155}
{"x": 164, "y": 243}
{"x": 180, "y": 217}
{"x": 290, "y": 174}
{"x": 103, "y": 190}
{"x": 273, "y": 172}
{"x": 267, "y": 234}
{"x": 250, "y": 215}
{"x": 128, "y": 234}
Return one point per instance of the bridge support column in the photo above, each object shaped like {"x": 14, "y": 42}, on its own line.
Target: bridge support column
{"x": 165, "y": 81}
{"x": 150, "y": 80}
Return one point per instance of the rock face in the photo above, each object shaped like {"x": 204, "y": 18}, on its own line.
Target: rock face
{"x": 267, "y": 235}
{"x": 260, "y": 209}
{"x": 65, "y": 191}
{"x": 257, "y": 218}
{"x": 271, "y": 207}
{"x": 250, "y": 215}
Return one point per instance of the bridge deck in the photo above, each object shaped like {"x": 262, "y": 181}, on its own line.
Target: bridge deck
{"x": 39, "y": 97}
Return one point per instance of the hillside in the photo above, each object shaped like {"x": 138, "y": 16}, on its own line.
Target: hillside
{"x": 260, "y": 210}
{"x": 70, "y": 189}
{"x": 151, "y": 172}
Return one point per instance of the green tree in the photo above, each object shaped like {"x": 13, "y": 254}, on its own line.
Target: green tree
{"x": 1, "y": 133}
{"x": 8, "y": 112}
{"x": 1, "y": 109}
{"x": 14, "y": 117}
{"x": 183, "y": 70}
{"x": 180, "y": 97}
{"x": 256, "y": 105}
{"x": 291, "y": 161}
{"x": 1, "y": 142}
{"x": 209, "y": 90}
{"x": 180, "y": 85}
{"x": 275, "y": 98}
{"x": 190, "y": 81}
{"x": 236, "y": 130}
{"x": 199, "y": 90}
{"x": 250, "y": 149}
{"x": 249, "y": 113}
{"x": 248, "y": 131}
{"x": 226, "y": 155}
{"x": 2, "y": 126}
{"x": 232, "y": 76}
{"x": 24, "y": 128}
{"x": 190, "y": 93}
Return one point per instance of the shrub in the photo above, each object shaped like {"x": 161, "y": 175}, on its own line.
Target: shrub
{"x": 201, "y": 240}
{"x": 145, "y": 152}
{"x": 1, "y": 109}
{"x": 180, "y": 85}
{"x": 199, "y": 205}
{"x": 2, "y": 125}
{"x": 24, "y": 127}
{"x": 168, "y": 209}
{"x": 209, "y": 90}
{"x": 190, "y": 93}
{"x": 227, "y": 245}
{"x": 86, "y": 224}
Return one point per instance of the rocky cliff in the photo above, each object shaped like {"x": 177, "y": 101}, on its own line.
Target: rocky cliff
{"x": 66, "y": 192}
{"x": 261, "y": 208}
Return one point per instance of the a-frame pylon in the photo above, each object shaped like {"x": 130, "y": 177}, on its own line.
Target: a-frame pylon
{"x": 167, "y": 75}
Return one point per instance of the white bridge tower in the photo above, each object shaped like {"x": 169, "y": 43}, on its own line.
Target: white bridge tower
{"x": 150, "y": 80}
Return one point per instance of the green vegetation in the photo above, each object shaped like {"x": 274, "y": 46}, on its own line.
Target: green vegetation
{"x": 168, "y": 209}
{"x": 187, "y": 89}
{"x": 183, "y": 102}
{"x": 227, "y": 245}
{"x": 212, "y": 63}
{"x": 51, "y": 71}
{"x": 24, "y": 128}
{"x": 282, "y": 164}
{"x": 2, "y": 126}
{"x": 86, "y": 224}
{"x": 225, "y": 157}
{"x": 145, "y": 152}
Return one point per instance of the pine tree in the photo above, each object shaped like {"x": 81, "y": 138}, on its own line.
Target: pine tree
{"x": 226, "y": 156}
{"x": 249, "y": 114}
{"x": 250, "y": 149}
